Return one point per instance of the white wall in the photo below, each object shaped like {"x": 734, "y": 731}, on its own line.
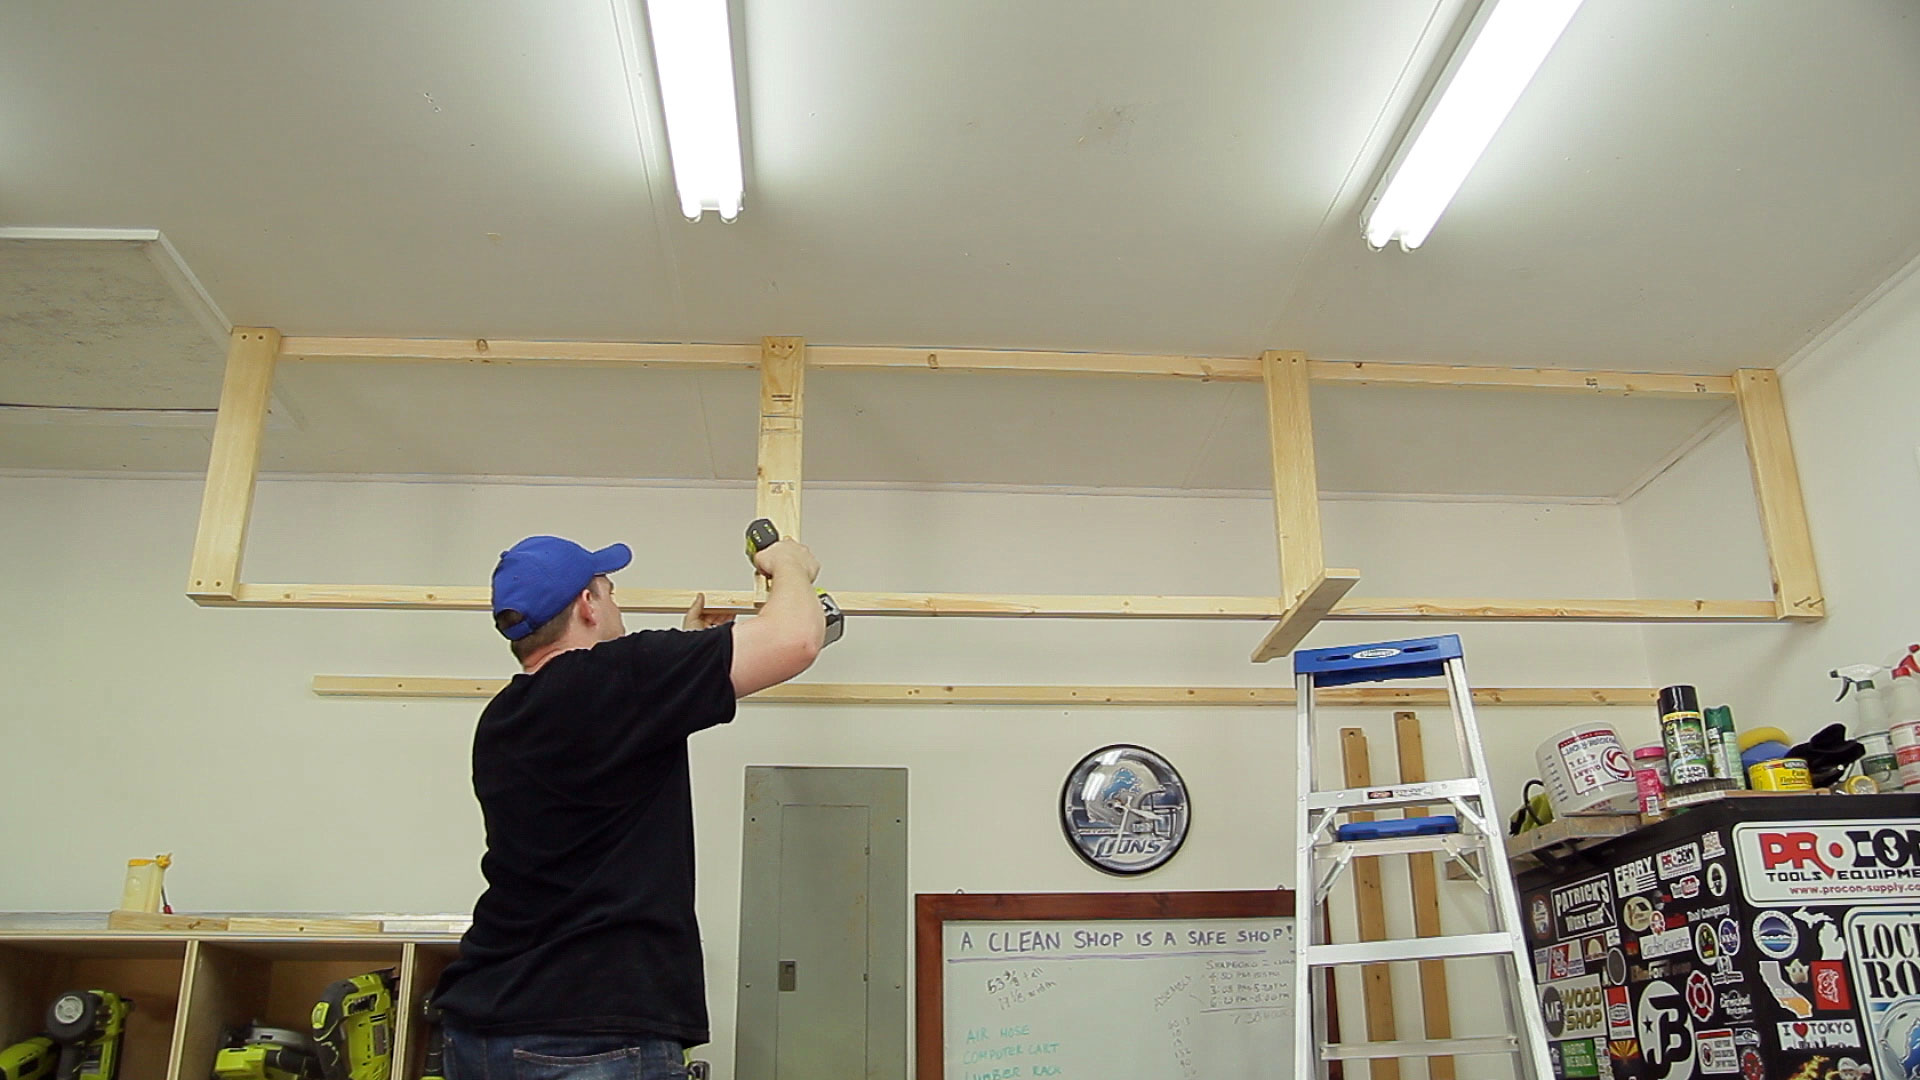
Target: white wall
{"x": 1854, "y": 413}
{"x": 137, "y": 722}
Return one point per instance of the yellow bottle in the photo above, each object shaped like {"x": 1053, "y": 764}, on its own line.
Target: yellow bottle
{"x": 145, "y": 882}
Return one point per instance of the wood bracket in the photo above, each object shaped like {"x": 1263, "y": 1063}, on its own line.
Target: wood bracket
{"x": 226, "y": 506}
{"x": 1776, "y": 488}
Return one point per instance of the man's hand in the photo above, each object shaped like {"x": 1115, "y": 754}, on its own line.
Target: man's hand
{"x": 783, "y": 640}
{"x": 787, "y": 557}
{"x": 698, "y": 618}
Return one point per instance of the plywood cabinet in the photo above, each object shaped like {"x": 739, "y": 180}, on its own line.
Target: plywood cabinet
{"x": 188, "y": 989}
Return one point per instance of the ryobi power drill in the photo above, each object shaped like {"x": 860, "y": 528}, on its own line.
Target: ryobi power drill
{"x": 29, "y": 1059}
{"x": 762, "y": 535}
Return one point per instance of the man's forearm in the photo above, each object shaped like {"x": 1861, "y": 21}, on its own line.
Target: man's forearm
{"x": 793, "y": 605}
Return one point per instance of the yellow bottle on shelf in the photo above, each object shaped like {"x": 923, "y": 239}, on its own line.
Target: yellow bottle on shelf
{"x": 145, "y": 882}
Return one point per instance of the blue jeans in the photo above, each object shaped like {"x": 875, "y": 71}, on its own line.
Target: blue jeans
{"x": 562, "y": 1057}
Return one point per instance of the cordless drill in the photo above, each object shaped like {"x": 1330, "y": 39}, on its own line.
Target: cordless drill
{"x": 762, "y": 535}
{"x": 29, "y": 1059}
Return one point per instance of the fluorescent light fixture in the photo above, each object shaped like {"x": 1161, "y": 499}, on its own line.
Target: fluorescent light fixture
{"x": 693, "y": 55}
{"x": 1495, "y": 61}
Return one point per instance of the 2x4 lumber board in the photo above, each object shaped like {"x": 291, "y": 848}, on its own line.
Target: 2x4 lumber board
{"x": 1436, "y": 1013}
{"x": 1015, "y": 362}
{"x": 1305, "y": 614}
{"x": 491, "y": 351}
{"x": 155, "y": 922}
{"x": 387, "y": 686}
{"x": 1370, "y": 908}
{"x": 1776, "y": 487}
{"x": 674, "y": 601}
{"x": 226, "y": 505}
{"x": 879, "y": 358}
{"x": 1035, "y": 606}
{"x": 1469, "y": 377}
{"x": 1296, "y": 483}
{"x": 1473, "y": 609}
{"x": 258, "y": 924}
{"x": 783, "y": 370}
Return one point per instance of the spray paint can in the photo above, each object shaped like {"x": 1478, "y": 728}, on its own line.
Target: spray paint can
{"x": 1650, "y": 779}
{"x": 1723, "y": 745}
{"x": 1684, "y": 731}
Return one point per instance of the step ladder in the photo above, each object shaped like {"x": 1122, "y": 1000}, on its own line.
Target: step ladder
{"x": 1328, "y": 845}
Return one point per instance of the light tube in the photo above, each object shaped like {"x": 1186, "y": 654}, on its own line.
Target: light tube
{"x": 693, "y": 55}
{"x": 1468, "y": 106}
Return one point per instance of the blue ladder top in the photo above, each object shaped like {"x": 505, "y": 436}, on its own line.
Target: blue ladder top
{"x": 1414, "y": 658}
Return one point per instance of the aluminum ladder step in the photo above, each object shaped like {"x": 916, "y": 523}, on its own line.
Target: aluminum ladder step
{"x": 1450, "y": 843}
{"x": 1418, "y": 1048}
{"x": 1380, "y": 798}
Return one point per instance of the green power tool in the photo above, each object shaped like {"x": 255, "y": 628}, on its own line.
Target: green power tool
{"x": 353, "y": 1028}
{"x": 264, "y": 1053}
{"x": 762, "y": 535}
{"x": 88, "y": 1025}
{"x": 29, "y": 1059}
{"x": 435, "y": 1066}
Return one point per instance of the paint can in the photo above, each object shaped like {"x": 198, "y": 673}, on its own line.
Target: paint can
{"x": 1905, "y": 738}
{"x": 1781, "y": 774}
{"x": 1684, "y": 732}
{"x": 1586, "y": 771}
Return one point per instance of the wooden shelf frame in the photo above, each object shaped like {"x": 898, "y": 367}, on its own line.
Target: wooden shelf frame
{"x": 1310, "y": 590}
{"x": 806, "y": 693}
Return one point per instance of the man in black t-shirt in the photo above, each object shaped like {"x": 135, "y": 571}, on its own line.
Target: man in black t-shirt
{"x": 584, "y": 961}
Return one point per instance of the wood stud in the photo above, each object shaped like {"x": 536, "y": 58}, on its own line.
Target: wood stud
{"x": 226, "y": 505}
{"x": 1376, "y": 981}
{"x": 1436, "y": 1010}
{"x": 1776, "y": 488}
{"x": 783, "y": 370}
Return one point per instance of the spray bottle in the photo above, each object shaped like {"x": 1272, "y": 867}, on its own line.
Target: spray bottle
{"x": 1870, "y": 727}
{"x": 1858, "y": 679}
{"x": 1904, "y": 733}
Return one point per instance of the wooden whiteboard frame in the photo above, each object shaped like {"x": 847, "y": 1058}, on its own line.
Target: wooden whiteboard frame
{"x": 932, "y": 911}
{"x": 1309, "y": 591}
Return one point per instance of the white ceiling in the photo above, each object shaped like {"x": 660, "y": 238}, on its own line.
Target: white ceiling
{"x": 1689, "y": 185}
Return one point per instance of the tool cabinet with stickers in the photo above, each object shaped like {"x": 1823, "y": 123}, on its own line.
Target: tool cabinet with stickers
{"x": 1759, "y": 938}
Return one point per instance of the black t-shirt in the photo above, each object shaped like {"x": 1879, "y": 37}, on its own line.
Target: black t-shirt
{"x": 587, "y": 921}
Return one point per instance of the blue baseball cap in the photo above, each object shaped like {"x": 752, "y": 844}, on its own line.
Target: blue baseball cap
{"x": 539, "y": 576}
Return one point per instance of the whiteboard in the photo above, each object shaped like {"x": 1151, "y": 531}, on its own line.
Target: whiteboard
{"x": 1146, "y": 999}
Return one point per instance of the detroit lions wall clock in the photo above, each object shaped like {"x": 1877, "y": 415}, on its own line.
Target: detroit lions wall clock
{"x": 1124, "y": 809}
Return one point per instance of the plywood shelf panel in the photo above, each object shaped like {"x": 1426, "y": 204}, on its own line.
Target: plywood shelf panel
{"x": 34, "y": 973}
